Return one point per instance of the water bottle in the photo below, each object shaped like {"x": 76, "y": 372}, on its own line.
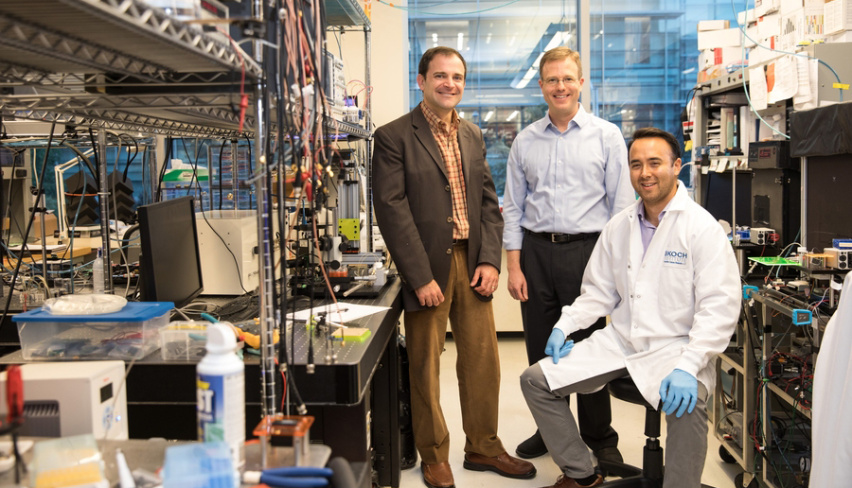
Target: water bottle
{"x": 98, "y": 273}
{"x": 220, "y": 386}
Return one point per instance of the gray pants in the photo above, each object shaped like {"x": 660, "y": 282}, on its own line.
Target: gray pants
{"x": 686, "y": 437}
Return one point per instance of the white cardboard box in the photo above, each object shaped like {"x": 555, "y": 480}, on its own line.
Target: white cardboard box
{"x": 769, "y": 25}
{"x": 721, "y": 56}
{"x": 746, "y": 17}
{"x": 838, "y": 16}
{"x": 709, "y": 25}
{"x": 719, "y": 38}
{"x": 763, "y": 7}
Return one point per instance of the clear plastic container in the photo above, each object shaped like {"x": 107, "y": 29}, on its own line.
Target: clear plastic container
{"x": 131, "y": 333}
{"x": 67, "y": 461}
{"x": 202, "y": 465}
{"x": 183, "y": 340}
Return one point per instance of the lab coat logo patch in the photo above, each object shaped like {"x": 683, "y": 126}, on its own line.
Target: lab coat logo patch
{"x": 674, "y": 257}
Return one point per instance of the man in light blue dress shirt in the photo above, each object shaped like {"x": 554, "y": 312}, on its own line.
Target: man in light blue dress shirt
{"x": 567, "y": 174}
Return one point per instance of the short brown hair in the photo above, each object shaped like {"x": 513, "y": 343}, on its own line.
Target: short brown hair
{"x": 653, "y": 132}
{"x": 558, "y": 54}
{"x": 430, "y": 53}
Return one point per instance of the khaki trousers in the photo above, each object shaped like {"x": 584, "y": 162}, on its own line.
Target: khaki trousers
{"x": 477, "y": 368}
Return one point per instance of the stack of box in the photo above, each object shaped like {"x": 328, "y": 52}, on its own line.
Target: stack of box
{"x": 838, "y": 21}
{"x": 720, "y": 47}
{"x": 762, "y": 30}
{"x": 802, "y": 21}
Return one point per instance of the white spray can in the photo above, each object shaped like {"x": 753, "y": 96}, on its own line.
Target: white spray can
{"x": 221, "y": 392}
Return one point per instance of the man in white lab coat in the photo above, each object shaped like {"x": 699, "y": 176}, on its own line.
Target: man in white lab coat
{"x": 665, "y": 272}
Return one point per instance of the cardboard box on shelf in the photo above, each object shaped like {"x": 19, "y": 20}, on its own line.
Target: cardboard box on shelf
{"x": 709, "y": 25}
{"x": 763, "y": 7}
{"x": 838, "y": 16}
{"x": 721, "y": 56}
{"x": 719, "y": 38}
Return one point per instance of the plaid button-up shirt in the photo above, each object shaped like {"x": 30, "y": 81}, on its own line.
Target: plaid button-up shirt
{"x": 447, "y": 137}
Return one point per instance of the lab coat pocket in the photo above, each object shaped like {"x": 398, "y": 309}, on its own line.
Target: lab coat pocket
{"x": 675, "y": 295}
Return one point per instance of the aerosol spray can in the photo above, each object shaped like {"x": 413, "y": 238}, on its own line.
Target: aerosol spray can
{"x": 221, "y": 392}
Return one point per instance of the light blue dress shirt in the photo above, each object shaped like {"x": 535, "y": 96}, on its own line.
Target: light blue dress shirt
{"x": 569, "y": 182}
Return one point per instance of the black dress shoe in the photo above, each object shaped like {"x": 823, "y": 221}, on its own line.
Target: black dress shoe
{"x": 532, "y": 447}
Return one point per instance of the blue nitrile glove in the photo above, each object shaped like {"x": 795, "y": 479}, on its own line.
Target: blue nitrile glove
{"x": 557, "y": 346}
{"x": 679, "y": 389}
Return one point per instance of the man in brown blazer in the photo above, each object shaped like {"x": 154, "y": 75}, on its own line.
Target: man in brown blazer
{"x": 437, "y": 209}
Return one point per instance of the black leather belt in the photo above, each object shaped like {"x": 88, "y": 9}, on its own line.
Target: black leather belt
{"x": 560, "y": 238}
{"x": 459, "y": 242}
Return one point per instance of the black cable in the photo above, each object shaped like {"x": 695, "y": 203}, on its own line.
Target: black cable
{"x": 250, "y": 171}
{"x": 135, "y": 152}
{"x": 97, "y": 160}
{"x": 39, "y": 194}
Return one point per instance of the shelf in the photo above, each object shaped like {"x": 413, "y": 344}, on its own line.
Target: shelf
{"x": 789, "y": 399}
{"x": 733, "y": 359}
{"x": 121, "y": 65}
{"x": 345, "y": 13}
{"x": 346, "y": 129}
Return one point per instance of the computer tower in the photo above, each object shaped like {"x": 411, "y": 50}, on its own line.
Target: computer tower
{"x": 776, "y": 202}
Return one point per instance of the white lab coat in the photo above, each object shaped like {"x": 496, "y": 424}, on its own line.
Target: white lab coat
{"x": 831, "y": 427}
{"x": 675, "y": 308}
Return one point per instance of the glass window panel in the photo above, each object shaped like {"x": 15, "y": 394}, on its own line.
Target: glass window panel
{"x": 642, "y": 67}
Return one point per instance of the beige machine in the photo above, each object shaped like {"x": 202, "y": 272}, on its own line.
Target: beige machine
{"x": 71, "y": 398}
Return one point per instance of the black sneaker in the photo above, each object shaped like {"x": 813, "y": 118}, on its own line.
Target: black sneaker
{"x": 532, "y": 447}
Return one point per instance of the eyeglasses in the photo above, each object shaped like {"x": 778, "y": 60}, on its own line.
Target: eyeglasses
{"x": 555, "y": 81}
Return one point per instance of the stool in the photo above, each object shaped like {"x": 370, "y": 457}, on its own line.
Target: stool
{"x": 651, "y": 474}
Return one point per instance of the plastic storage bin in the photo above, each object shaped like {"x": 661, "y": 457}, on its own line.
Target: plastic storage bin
{"x": 183, "y": 340}
{"x": 130, "y": 333}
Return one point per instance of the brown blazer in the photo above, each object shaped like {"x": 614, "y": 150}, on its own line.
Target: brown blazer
{"x": 414, "y": 207}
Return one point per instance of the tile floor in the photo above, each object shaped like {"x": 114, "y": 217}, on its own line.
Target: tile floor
{"x": 516, "y": 424}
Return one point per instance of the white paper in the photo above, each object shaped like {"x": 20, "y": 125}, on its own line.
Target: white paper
{"x": 340, "y": 313}
{"x": 786, "y": 81}
{"x": 803, "y": 91}
{"x": 757, "y": 87}
{"x": 36, "y": 248}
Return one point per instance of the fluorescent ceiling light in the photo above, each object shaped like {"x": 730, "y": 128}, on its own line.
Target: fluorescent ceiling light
{"x": 512, "y": 116}
{"x": 488, "y": 116}
{"x": 434, "y": 37}
{"x": 526, "y": 79}
{"x": 555, "y": 42}
{"x": 461, "y": 115}
{"x": 488, "y": 38}
{"x": 461, "y": 42}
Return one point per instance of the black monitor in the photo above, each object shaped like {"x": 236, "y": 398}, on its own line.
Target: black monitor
{"x": 169, "y": 264}
{"x": 717, "y": 195}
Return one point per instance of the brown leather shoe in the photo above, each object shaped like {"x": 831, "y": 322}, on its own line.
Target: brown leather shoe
{"x": 504, "y": 465}
{"x": 438, "y": 475}
{"x": 566, "y": 482}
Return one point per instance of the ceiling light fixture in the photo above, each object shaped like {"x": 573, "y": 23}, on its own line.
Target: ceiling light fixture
{"x": 488, "y": 116}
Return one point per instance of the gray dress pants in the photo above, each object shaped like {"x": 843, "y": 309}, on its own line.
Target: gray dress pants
{"x": 686, "y": 437}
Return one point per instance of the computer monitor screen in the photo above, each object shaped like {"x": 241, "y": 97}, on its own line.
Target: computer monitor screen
{"x": 717, "y": 191}
{"x": 169, "y": 265}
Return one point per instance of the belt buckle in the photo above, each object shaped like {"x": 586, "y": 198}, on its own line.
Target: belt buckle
{"x": 556, "y": 238}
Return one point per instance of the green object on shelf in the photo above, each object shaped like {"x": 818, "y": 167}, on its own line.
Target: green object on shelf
{"x": 774, "y": 261}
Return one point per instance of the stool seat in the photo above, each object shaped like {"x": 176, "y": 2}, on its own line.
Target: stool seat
{"x": 625, "y": 390}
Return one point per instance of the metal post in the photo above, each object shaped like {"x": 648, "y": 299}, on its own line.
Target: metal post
{"x": 264, "y": 255}
{"x": 103, "y": 197}
{"x": 368, "y": 204}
